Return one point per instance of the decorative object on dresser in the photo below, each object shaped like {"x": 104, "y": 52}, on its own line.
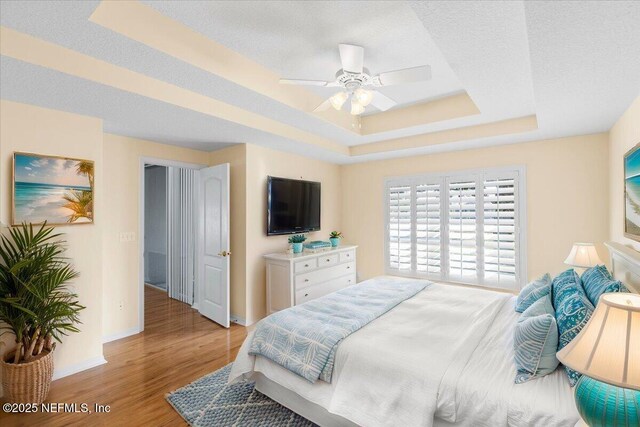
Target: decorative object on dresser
{"x": 583, "y": 255}
{"x": 295, "y": 279}
{"x": 36, "y": 307}
{"x": 334, "y": 238}
{"x": 296, "y": 242}
{"x": 632, "y": 193}
{"x": 607, "y": 353}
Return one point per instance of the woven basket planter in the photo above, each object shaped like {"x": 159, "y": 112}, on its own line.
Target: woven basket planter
{"x": 27, "y": 382}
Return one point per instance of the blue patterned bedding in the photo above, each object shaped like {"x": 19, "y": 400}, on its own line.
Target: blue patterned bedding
{"x": 304, "y": 338}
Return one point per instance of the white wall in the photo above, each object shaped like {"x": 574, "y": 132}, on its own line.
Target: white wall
{"x": 155, "y": 225}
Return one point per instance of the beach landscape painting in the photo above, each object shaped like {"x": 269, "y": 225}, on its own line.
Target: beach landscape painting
{"x": 54, "y": 189}
{"x": 632, "y": 193}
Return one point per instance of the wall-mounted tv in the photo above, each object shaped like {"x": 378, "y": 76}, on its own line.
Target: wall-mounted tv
{"x": 293, "y": 206}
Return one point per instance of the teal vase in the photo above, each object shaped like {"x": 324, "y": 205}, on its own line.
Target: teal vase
{"x": 604, "y": 405}
{"x": 297, "y": 248}
{"x": 335, "y": 241}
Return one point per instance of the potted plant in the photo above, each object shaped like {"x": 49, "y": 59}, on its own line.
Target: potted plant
{"x": 297, "y": 241}
{"x": 334, "y": 238}
{"x": 35, "y": 306}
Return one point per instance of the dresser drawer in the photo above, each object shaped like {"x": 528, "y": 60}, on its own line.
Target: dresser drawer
{"x": 312, "y": 292}
{"x": 349, "y": 280}
{"x": 322, "y": 289}
{"x": 306, "y": 265}
{"x": 348, "y": 256}
{"x": 324, "y": 274}
{"x": 328, "y": 260}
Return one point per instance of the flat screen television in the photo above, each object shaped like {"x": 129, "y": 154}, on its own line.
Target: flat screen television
{"x": 293, "y": 206}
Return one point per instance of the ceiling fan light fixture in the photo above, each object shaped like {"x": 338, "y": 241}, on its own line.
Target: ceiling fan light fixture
{"x": 363, "y": 96}
{"x": 356, "y": 107}
{"x": 338, "y": 100}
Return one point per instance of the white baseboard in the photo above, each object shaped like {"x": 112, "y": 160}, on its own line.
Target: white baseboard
{"x": 120, "y": 335}
{"x": 239, "y": 320}
{"x": 78, "y": 367}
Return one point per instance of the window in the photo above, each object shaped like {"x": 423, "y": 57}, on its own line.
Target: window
{"x": 461, "y": 227}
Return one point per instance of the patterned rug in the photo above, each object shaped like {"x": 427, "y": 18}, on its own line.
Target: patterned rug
{"x": 210, "y": 401}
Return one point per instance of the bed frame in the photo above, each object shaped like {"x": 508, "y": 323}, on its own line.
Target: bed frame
{"x": 625, "y": 263}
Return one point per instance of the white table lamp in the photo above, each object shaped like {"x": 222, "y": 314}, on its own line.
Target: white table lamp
{"x": 583, "y": 255}
{"x": 607, "y": 353}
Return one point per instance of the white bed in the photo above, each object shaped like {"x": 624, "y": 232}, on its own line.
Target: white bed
{"x": 443, "y": 357}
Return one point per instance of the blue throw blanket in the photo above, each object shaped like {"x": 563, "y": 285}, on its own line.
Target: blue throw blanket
{"x": 304, "y": 338}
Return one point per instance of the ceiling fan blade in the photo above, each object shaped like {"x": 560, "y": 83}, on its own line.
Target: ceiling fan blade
{"x": 382, "y": 102}
{"x": 352, "y": 58}
{"x": 323, "y": 107}
{"x": 304, "y": 82}
{"x": 407, "y": 75}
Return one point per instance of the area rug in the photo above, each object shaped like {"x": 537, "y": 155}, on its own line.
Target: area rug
{"x": 210, "y": 401}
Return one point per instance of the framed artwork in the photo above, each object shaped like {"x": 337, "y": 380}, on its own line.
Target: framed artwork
{"x": 58, "y": 190}
{"x": 632, "y": 193}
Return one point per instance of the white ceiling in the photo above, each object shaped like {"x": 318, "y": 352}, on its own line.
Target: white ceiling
{"x": 300, "y": 39}
{"x": 576, "y": 65}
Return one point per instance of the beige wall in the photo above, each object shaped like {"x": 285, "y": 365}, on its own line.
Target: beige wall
{"x": 262, "y": 162}
{"x": 122, "y": 192}
{"x": 236, "y": 156}
{"x": 624, "y": 135}
{"x": 567, "y": 196}
{"x": 41, "y": 131}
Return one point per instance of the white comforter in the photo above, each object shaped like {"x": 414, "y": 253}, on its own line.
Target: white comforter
{"x": 445, "y": 353}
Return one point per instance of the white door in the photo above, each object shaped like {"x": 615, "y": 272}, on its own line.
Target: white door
{"x": 213, "y": 252}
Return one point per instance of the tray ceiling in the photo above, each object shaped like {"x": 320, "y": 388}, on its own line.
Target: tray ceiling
{"x": 503, "y": 72}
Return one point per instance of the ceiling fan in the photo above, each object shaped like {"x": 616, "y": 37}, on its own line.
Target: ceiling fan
{"x": 353, "y": 78}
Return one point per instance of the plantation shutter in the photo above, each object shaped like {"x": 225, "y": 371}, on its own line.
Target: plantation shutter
{"x": 500, "y": 233}
{"x": 428, "y": 225}
{"x": 463, "y": 250}
{"x": 400, "y": 228}
{"x": 458, "y": 227}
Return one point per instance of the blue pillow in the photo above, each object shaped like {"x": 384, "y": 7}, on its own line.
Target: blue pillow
{"x": 597, "y": 281}
{"x": 573, "y": 310}
{"x": 536, "y": 341}
{"x": 532, "y": 292}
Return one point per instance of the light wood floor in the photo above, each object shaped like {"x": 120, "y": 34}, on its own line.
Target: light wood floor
{"x": 177, "y": 347}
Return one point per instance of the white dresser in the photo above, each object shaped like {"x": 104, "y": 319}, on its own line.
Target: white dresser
{"x": 294, "y": 279}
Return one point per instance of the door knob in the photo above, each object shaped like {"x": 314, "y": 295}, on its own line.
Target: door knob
{"x": 224, "y": 253}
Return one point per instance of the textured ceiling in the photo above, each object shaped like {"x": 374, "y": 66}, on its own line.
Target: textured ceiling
{"x": 300, "y": 39}
{"x": 575, "y": 65}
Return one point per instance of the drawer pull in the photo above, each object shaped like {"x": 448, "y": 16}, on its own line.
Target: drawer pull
{"x": 328, "y": 260}
{"x": 348, "y": 267}
{"x": 306, "y": 295}
{"x": 349, "y": 280}
{"x": 306, "y": 280}
{"x": 306, "y": 265}
{"x": 348, "y": 255}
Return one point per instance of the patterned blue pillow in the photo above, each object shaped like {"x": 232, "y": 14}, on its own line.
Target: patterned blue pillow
{"x": 532, "y": 292}
{"x": 536, "y": 341}
{"x": 573, "y": 310}
{"x": 597, "y": 281}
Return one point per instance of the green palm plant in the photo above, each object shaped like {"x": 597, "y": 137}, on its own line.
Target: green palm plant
{"x": 85, "y": 167}
{"x": 80, "y": 203}
{"x": 35, "y": 304}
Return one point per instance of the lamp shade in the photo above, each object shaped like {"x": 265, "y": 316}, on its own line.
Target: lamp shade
{"x": 608, "y": 347}
{"x": 583, "y": 255}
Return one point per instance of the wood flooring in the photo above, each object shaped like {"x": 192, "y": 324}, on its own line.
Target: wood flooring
{"x": 177, "y": 347}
